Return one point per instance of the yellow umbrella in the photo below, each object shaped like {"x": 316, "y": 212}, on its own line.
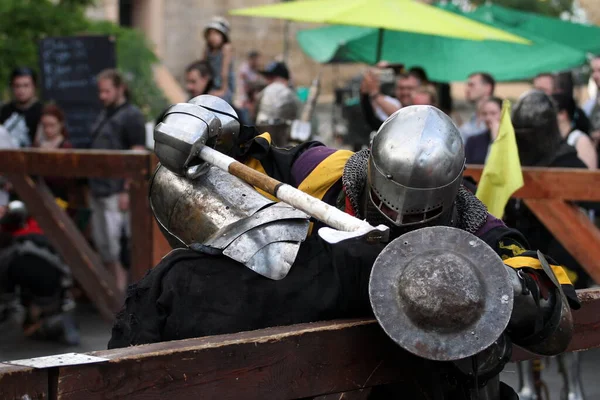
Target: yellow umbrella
{"x": 398, "y": 15}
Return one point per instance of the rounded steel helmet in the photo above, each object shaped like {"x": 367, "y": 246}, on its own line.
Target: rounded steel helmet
{"x": 416, "y": 165}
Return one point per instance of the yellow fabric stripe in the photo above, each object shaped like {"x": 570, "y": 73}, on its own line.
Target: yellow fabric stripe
{"x": 530, "y": 262}
{"x": 257, "y": 166}
{"x": 266, "y": 136}
{"x": 326, "y": 174}
{"x": 513, "y": 248}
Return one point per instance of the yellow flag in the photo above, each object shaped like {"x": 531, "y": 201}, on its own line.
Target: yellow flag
{"x": 502, "y": 174}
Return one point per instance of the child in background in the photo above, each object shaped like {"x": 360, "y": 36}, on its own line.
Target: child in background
{"x": 219, "y": 54}
{"x": 53, "y": 135}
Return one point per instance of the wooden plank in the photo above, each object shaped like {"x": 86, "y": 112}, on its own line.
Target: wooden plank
{"x": 61, "y": 231}
{"x": 553, "y": 183}
{"x": 20, "y": 383}
{"x": 76, "y": 163}
{"x": 573, "y": 229}
{"x": 284, "y": 363}
{"x": 142, "y": 251}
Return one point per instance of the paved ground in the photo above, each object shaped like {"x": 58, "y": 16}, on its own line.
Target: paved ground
{"x": 94, "y": 336}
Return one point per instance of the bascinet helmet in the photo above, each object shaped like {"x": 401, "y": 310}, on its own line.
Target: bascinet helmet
{"x": 415, "y": 167}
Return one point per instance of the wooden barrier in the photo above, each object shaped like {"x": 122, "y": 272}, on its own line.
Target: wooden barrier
{"x": 547, "y": 193}
{"x": 290, "y": 362}
{"x": 148, "y": 244}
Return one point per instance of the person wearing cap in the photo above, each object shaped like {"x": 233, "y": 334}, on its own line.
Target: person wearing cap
{"x": 219, "y": 54}
{"x": 21, "y": 116}
{"x": 278, "y": 102}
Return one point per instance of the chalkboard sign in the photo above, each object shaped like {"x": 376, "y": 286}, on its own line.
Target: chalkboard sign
{"x": 69, "y": 67}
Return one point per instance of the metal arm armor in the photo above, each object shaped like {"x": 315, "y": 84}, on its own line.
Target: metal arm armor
{"x": 541, "y": 321}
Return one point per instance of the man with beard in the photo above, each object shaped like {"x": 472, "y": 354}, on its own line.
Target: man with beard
{"x": 22, "y": 115}
{"x": 411, "y": 178}
{"x": 198, "y": 78}
{"x": 120, "y": 126}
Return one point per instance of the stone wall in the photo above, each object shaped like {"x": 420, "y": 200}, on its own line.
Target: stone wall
{"x": 184, "y": 26}
{"x": 592, "y": 9}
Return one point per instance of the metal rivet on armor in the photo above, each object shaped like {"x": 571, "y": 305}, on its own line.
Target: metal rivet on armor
{"x": 390, "y": 177}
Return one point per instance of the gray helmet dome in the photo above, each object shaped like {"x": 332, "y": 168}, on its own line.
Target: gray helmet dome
{"x": 416, "y": 165}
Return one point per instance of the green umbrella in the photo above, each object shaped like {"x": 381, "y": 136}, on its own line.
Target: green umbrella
{"x": 444, "y": 59}
{"x": 578, "y": 36}
{"x": 399, "y": 15}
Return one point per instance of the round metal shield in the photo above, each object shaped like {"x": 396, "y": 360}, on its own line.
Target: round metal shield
{"x": 441, "y": 293}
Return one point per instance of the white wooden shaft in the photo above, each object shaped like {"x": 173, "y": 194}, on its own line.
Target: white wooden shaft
{"x": 316, "y": 208}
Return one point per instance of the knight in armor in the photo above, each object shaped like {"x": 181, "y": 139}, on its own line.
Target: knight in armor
{"x": 31, "y": 268}
{"x": 541, "y": 145}
{"x": 277, "y": 104}
{"x": 409, "y": 180}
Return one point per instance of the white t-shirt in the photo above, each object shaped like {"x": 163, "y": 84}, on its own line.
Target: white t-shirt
{"x": 574, "y": 137}
{"x": 379, "y": 113}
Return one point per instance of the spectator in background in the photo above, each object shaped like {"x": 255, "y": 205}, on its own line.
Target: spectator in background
{"x": 120, "y": 126}
{"x": 420, "y": 74}
{"x": 478, "y": 146}
{"x": 251, "y": 80}
{"x": 480, "y": 87}
{"x": 376, "y": 106}
{"x": 541, "y": 145}
{"x": 22, "y": 115}
{"x": 53, "y": 135}
{"x": 425, "y": 95}
{"x": 568, "y": 118}
{"x": 546, "y": 82}
{"x": 277, "y": 102}
{"x": 6, "y": 142}
{"x": 382, "y": 105}
{"x": 592, "y": 106}
{"x": 198, "y": 78}
{"x": 406, "y": 84}
{"x": 219, "y": 54}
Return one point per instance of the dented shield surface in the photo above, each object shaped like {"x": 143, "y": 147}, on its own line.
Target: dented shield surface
{"x": 441, "y": 293}
{"x": 226, "y": 215}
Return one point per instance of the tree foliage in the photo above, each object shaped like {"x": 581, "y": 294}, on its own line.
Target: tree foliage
{"x": 24, "y": 22}
{"x": 552, "y": 8}
{"x": 135, "y": 60}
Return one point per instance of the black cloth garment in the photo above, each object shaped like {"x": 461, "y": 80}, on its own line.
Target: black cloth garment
{"x": 191, "y": 295}
{"x": 10, "y": 117}
{"x": 476, "y": 148}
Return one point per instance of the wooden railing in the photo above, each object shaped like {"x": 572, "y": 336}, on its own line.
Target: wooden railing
{"x": 148, "y": 244}
{"x": 548, "y": 193}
